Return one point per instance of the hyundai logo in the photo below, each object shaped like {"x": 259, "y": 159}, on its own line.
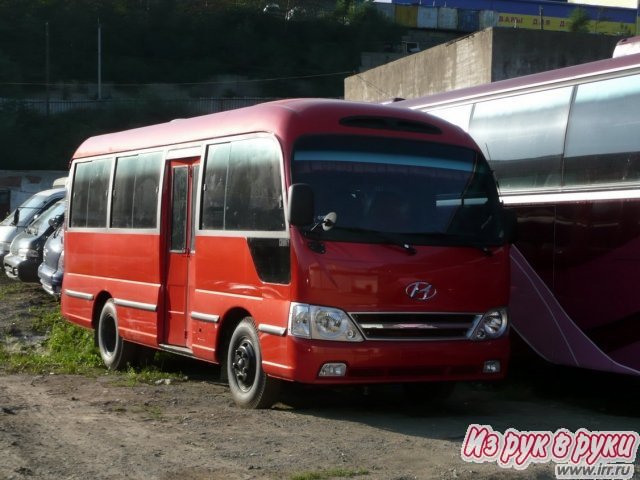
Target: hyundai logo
{"x": 422, "y": 291}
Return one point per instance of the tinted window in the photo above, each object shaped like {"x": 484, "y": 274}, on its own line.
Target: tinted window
{"x": 30, "y": 208}
{"x": 90, "y": 193}
{"x": 412, "y": 191}
{"x": 135, "y": 191}
{"x": 41, "y": 224}
{"x": 603, "y": 139}
{"x": 179, "y": 208}
{"x": 196, "y": 172}
{"x": 242, "y": 189}
{"x": 523, "y": 137}
{"x": 215, "y": 186}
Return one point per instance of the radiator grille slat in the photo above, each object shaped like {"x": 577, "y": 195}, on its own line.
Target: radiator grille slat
{"x": 416, "y": 326}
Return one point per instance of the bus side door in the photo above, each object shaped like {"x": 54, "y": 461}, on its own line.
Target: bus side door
{"x": 179, "y": 231}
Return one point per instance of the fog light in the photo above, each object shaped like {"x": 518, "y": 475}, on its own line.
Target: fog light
{"x": 491, "y": 366}
{"x": 333, "y": 370}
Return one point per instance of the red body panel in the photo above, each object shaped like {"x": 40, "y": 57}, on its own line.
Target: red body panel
{"x": 112, "y": 263}
{"x": 373, "y": 277}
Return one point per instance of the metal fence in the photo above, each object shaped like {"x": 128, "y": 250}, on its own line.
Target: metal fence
{"x": 197, "y": 106}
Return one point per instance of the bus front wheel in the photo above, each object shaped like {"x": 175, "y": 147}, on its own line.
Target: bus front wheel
{"x": 250, "y": 386}
{"x": 116, "y": 353}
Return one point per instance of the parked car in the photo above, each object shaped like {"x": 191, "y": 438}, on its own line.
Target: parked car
{"x": 51, "y": 269}
{"x": 22, "y": 216}
{"x": 272, "y": 9}
{"x": 296, "y": 13}
{"x": 25, "y": 255}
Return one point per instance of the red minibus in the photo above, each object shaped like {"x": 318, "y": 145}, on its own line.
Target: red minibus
{"x": 314, "y": 241}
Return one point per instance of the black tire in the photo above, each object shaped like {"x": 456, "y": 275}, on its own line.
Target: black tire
{"x": 250, "y": 386}
{"x": 116, "y": 353}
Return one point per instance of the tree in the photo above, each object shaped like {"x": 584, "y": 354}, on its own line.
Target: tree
{"x": 579, "y": 20}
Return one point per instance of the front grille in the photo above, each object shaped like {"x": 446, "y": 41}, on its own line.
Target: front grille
{"x": 416, "y": 326}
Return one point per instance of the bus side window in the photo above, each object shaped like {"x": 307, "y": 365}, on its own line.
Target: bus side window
{"x": 215, "y": 186}
{"x": 90, "y": 193}
{"x": 601, "y": 147}
{"x": 523, "y": 137}
{"x": 242, "y": 188}
{"x": 135, "y": 197}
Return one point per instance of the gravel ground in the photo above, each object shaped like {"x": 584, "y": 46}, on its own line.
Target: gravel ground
{"x": 78, "y": 427}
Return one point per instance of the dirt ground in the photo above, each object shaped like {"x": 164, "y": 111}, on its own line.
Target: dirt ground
{"x": 77, "y": 427}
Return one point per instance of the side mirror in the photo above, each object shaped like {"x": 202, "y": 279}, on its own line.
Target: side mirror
{"x": 510, "y": 225}
{"x": 56, "y": 221}
{"x": 16, "y": 216}
{"x": 301, "y": 205}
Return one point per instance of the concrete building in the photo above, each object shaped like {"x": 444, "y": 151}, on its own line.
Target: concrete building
{"x": 608, "y": 3}
{"x": 16, "y": 186}
{"x": 486, "y": 56}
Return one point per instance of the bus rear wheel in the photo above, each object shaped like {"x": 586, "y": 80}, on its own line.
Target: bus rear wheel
{"x": 116, "y": 353}
{"x": 250, "y": 386}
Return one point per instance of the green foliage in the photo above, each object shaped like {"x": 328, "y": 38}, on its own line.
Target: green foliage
{"x": 330, "y": 473}
{"x": 48, "y": 142}
{"x": 579, "y": 20}
{"x": 164, "y": 41}
{"x": 67, "y": 348}
{"x": 171, "y": 41}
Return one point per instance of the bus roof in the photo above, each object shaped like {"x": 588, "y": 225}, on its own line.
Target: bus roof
{"x": 276, "y": 117}
{"x": 567, "y": 75}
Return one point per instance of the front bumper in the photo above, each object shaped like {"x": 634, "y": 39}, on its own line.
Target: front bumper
{"x": 50, "y": 279}
{"x": 390, "y": 361}
{"x": 19, "y": 268}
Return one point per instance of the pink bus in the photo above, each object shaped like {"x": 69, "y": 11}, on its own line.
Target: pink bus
{"x": 565, "y": 148}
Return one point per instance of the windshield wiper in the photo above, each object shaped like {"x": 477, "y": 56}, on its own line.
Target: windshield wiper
{"x": 454, "y": 239}
{"x": 389, "y": 238}
{"x": 329, "y": 223}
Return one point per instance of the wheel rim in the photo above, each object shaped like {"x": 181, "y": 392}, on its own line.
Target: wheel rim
{"x": 244, "y": 364}
{"x": 108, "y": 335}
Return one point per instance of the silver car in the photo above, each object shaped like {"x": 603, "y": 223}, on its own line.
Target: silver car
{"x": 17, "y": 221}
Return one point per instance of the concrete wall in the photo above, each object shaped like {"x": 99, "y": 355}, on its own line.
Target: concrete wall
{"x": 482, "y": 57}
{"x": 518, "y": 52}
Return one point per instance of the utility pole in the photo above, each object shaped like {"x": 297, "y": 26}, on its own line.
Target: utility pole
{"x": 47, "y": 66}
{"x": 99, "y": 60}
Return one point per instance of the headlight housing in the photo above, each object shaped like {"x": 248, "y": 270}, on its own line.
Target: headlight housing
{"x": 27, "y": 253}
{"x": 492, "y": 325}
{"x": 322, "y": 323}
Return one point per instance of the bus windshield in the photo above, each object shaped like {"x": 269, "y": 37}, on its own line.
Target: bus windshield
{"x": 414, "y": 191}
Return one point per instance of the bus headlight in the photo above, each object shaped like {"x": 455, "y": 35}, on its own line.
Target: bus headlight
{"x": 322, "y": 323}
{"x": 492, "y": 325}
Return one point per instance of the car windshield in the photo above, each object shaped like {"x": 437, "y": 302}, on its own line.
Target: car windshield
{"x": 27, "y": 210}
{"x": 40, "y": 225}
{"x": 413, "y": 191}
